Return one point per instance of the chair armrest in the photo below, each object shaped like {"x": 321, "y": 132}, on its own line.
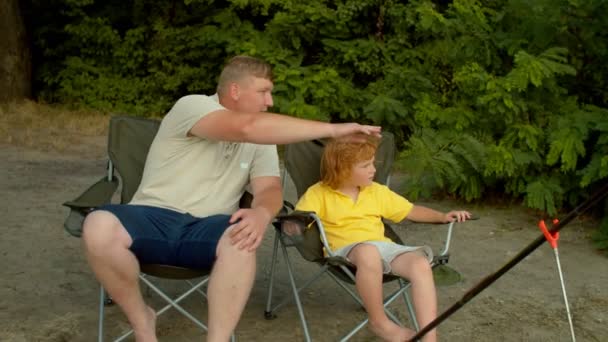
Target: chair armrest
{"x": 96, "y": 195}
{"x": 446, "y": 247}
{"x": 303, "y": 230}
{"x": 293, "y": 224}
{"x": 304, "y": 217}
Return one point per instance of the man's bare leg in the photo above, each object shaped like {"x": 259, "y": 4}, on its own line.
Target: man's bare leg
{"x": 106, "y": 243}
{"x": 230, "y": 284}
{"x": 369, "y": 286}
{"x": 417, "y": 270}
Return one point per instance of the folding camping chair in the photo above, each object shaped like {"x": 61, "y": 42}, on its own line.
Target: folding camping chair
{"x": 302, "y": 161}
{"x": 128, "y": 143}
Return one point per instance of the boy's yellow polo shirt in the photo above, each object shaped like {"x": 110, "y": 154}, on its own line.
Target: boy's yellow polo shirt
{"x": 347, "y": 222}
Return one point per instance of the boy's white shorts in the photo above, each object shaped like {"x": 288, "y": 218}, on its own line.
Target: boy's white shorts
{"x": 388, "y": 251}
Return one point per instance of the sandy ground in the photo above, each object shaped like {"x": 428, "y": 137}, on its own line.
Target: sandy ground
{"x": 47, "y": 292}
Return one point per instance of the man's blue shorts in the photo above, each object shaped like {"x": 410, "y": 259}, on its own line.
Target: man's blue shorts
{"x": 167, "y": 237}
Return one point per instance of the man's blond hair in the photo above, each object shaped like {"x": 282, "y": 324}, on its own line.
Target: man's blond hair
{"x": 238, "y": 68}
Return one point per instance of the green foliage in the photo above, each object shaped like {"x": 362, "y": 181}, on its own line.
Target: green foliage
{"x": 568, "y": 133}
{"x": 504, "y": 96}
{"x": 542, "y": 193}
{"x": 601, "y": 236}
{"x": 435, "y": 160}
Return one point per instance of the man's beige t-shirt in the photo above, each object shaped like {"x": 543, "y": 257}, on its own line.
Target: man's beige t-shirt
{"x": 198, "y": 176}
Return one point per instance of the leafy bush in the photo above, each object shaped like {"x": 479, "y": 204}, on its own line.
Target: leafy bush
{"x": 484, "y": 97}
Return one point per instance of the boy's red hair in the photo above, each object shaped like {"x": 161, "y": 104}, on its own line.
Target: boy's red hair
{"x": 340, "y": 156}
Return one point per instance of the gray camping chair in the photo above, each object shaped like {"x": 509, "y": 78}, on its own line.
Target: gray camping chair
{"x": 128, "y": 143}
{"x": 302, "y": 162}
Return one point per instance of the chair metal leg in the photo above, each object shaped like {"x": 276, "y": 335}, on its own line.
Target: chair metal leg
{"x": 295, "y": 293}
{"x": 198, "y": 289}
{"x": 192, "y": 284}
{"x": 102, "y": 295}
{"x": 410, "y": 308}
{"x": 354, "y": 331}
{"x": 360, "y": 326}
{"x": 174, "y": 303}
{"x": 269, "y": 313}
{"x": 299, "y": 289}
{"x": 387, "y": 301}
{"x": 107, "y": 301}
{"x": 275, "y": 248}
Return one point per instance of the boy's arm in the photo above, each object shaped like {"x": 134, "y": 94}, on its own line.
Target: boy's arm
{"x": 423, "y": 214}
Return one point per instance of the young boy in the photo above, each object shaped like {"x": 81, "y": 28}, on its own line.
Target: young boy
{"x": 351, "y": 207}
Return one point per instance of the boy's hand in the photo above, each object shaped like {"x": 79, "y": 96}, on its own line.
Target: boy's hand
{"x": 457, "y": 215}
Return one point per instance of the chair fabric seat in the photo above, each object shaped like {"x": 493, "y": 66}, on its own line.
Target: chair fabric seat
{"x": 172, "y": 272}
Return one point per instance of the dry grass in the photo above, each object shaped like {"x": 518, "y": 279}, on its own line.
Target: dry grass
{"x": 49, "y": 128}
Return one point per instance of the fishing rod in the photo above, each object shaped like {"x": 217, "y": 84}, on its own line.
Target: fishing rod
{"x": 487, "y": 281}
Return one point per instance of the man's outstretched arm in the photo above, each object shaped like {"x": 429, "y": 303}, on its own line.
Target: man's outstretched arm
{"x": 270, "y": 128}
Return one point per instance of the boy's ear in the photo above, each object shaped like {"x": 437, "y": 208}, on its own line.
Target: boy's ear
{"x": 234, "y": 91}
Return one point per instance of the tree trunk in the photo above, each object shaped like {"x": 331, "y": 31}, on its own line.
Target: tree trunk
{"x": 15, "y": 56}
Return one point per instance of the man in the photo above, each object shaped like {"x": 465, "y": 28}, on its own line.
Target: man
{"x": 185, "y": 212}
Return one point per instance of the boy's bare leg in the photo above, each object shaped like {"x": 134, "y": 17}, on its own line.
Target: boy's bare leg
{"x": 106, "y": 243}
{"x": 369, "y": 285}
{"x": 230, "y": 283}
{"x": 416, "y": 268}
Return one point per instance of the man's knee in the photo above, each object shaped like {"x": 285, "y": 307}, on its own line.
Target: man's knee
{"x": 101, "y": 230}
{"x": 226, "y": 249}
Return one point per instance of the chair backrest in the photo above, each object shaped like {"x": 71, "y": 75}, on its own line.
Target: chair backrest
{"x": 302, "y": 162}
{"x": 129, "y": 140}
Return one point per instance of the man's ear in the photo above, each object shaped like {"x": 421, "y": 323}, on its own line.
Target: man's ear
{"x": 234, "y": 91}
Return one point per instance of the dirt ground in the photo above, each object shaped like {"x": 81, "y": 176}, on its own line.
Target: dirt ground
{"x": 47, "y": 292}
